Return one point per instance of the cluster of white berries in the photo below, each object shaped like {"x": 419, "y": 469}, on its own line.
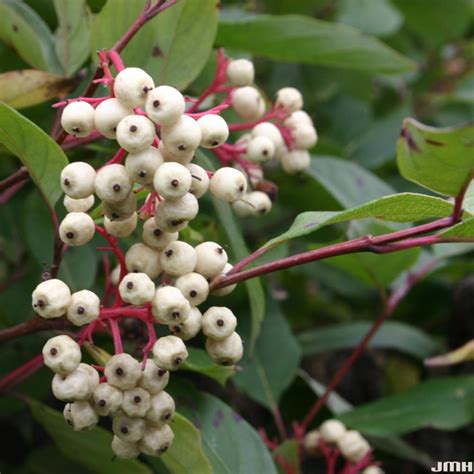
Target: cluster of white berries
{"x": 350, "y": 443}
{"x": 132, "y": 395}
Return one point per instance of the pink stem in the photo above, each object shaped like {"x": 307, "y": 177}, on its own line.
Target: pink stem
{"x": 117, "y": 158}
{"x": 114, "y": 327}
{"x": 116, "y": 60}
{"x": 21, "y": 373}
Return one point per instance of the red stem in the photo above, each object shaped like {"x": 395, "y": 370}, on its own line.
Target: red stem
{"x": 21, "y": 373}
{"x": 12, "y": 191}
{"x": 114, "y": 327}
{"x": 19, "y": 175}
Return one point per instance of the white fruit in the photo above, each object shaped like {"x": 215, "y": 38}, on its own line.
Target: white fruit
{"x": 78, "y": 205}
{"x": 83, "y": 308}
{"x": 353, "y": 446}
{"x": 311, "y": 442}
{"x": 106, "y": 399}
{"x": 122, "y": 371}
{"x": 76, "y": 229}
{"x": 162, "y": 408}
{"x": 137, "y": 288}
{"x": 155, "y": 237}
{"x": 228, "y": 184}
{"x": 80, "y": 416}
{"x": 248, "y": 103}
{"x": 289, "y": 99}
{"x": 227, "y": 351}
{"x": 165, "y": 105}
{"x": 93, "y": 377}
{"x": 143, "y": 259}
{"x": 124, "y": 449}
{"x": 62, "y": 354}
{"x": 136, "y": 402}
{"x": 332, "y": 430}
{"x": 122, "y": 210}
{"x": 227, "y": 289}
{"x": 214, "y": 130}
{"x": 181, "y": 137}
{"x": 172, "y": 181}
{"x": 127, "y": 428}
{"x": 194, "y": 287}
{"x": 189, "y": 328}
{"x": 77, "y": 118}
{"x": 51, "y": 298}
{"x": 156, "y": 441}
{"x": 71, "y": 387}
{"x": 211, "y": 259}
{"x": 135, "y": 133}
{"x": 269, "y": 130}
{"x": 154, "y": 379}
{"x": 112, "y": 183}
{"x": 295, "y": 161}
{"x": 253, "y": 204}
{"x": 304, "y": 136}
{"x": 300, "y": 117}
{"x": 178, "y": 258}
{"x": 115, "y": 275}
{"x": 131, "y": 87}
{"x": 185, "y": 208}
{"x": 169, "y": 352}
{"x": 77, "y": 180}
{"x": 169, "y": 306}
{"x": 107, "y": 116}
{"x": 142, "y": 166}
{"x": 200, "y": 180}
{"x": 240, "y": 72}
{"x": 121, "y": 228}
{"x": 218, "y": 323}
{"x": 260, "y": 149}
{"x": 372, "y": 470}
{"x": 182, "y": 158}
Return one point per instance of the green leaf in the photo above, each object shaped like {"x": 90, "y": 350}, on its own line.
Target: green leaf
{"x": 289, "y": 452}
{"x": 434, "y": 23}
{"x": 230, "y": 443}
{"x": 375, "y": 17}
{"x": 30, "y": 87}
{"x": 349, "y": 183}
{"x": 254, "y": 286}
{"x": 186, "y": 453}
{"x": 392, "y": 445}
{"x": 48, "y": 460}
{"x": 41, "y": 155}
{"x": 443, "y": 403}
{"x": 440, "y": 159}
{"x": 25, "y": 31}
{"x": 392, "y": 335}
{"x": 404, "y": 207}
{"x": 268, "y": 372}
{"x": 90, "y": 448}
{"x": 113, "y": 21}
{"x": 306, "y": 40}
{"x": 73, "y": 33}
{"x": 79, "y": 267}
{"x": 185, "y": 34}
{"x": 463, "y": 230}
{"x": 199, "y": 362}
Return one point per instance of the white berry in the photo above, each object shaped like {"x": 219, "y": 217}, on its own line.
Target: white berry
{"x": 169, "y": 352}
{"x": 121, "y": 228}
{"x": 260, "y": 149}
{"x": 112, "y": 183}
{"x": 373, "y": 470}
{"x": 71, "y": 387}
{"x": 226, "y": 289}
{"x": 51, "y": 298}
{"x": 122, "y": 210}
{"x": 162, "y": 408}
{"x": 135, "y": 133}
{"x": 131, "y": 86}
{"x": 248, "y": 103}
{"x": 83, "y": 308}
{"x": 76, "y": 229}
{"x": 189, "y": 328}
{"x": 127, "y": 428}
{"x": 295, "y": 161}
{"x": 183, "y": 158}
{"x": 253, "y": 204}
{"x": 80, "y": 416}
{"x": 194, "y": 287}
{"x": 200, "y": 180}
{"x": 172, "y": 181}
{"x": 137, "y": 288}
{"x": 178, "y": 258}
{"x": 142, "y": 166}
{"x": 311, "y": 442}
{"x": 77, "y": 118}
{"x": 154, "y": 379}
{"x": 107, "y": 116}
{"x": 304, "y": 136}
{"x": 228, "y": 184}
{"x": 211, "y": 259}
{"x": 353, "y": 446}
{"x": 227, "y": 351}
{"x": 136, "y": 402}
{"x": 269, "y": 130}
{"x": 289, "y": 99}
{"x": 107, "y": 399}
{"x": 156, "y": 441}
{"x": 124, "y": 449}
{"x": 297, "y": 118}
{"x": 185, "y": 208}
{"x": 122, "y": 371}
{"x": 143, "y": 259}
{"x": 181, "y": 137}
{"x": 62, "y": 354}
{"x": 78, "y": 205}
{"x": 77, "y": 180}
{"x": 214, "y": 130}
{"x": 155, "y": 237}
{"x": 169, "y": 306}
{"x": 332, "y": 430}
{"x": 240, "y": 72}
{"x": 165, "y": 105}
{"x": 218, "y": 322}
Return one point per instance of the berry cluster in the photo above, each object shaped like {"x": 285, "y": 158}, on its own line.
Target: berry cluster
{"x": 332, "y": 440}
{"x": 162, "y": 279}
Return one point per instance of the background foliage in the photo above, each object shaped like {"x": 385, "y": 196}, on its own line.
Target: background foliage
{"x": 363, "y": 67}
